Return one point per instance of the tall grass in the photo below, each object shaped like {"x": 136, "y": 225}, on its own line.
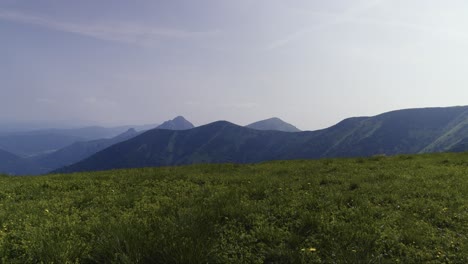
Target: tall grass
{"x": 408, "y": 209}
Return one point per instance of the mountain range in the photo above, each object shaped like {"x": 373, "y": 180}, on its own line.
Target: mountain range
{"x": 37, "y": 142}
{"x": 398, "y": 132}
{"x": 75, "y": 151}
{"x": 27, "y": 145}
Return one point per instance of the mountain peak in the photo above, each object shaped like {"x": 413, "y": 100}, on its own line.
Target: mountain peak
{"x": 178, "y": 123}
{"x": 274, "y": 119}
{"x": 273, "y": 123}
{"x": 220, "y": 124}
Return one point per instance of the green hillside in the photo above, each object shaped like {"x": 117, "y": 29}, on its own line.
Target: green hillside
{"x": 401, "y": 209}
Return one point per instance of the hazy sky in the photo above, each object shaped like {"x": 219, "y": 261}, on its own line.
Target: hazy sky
{"x": 309, "y": 62}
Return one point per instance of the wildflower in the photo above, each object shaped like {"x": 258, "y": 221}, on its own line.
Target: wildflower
{"x": 312, "y": 249}
{"x": 46, "y": 210}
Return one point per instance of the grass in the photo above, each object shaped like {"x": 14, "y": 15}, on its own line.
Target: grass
{"x": 407, "y": 209}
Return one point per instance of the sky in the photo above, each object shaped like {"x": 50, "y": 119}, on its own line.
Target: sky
{"x": 310, "y": 62}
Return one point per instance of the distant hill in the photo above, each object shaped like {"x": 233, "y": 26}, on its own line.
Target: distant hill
{"x": 397, "y": 132}
{"x": 81, "y": 150}
{"x": 37, "y": 142}
{"x": 7, "y": 161}
{"x": 76, "y": 152}
{"x": 423, "y": 130}
{"x": 213, "y": 143}
{"x": 45, "y": 162}
{"x": 273, "y": 124}
{"x": 26, "y": 145}
{"x": 73, "y": 153}
{"x": 86, "y": 133}
{"x": 9, "y": 126}
{"x": 178, "y": 123}
{"x": 6, "y": 156}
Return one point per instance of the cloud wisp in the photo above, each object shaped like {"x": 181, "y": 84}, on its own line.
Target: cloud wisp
{"x": 434, "y": 30}
{"x": 329, "y": 20}
{"x": 127, "y": 32}
{"x": 353, "y": 16}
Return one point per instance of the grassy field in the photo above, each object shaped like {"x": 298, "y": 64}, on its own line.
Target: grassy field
{"x": 407, "y": 209}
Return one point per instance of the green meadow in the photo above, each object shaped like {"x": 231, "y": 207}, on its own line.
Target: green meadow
{"x": 400, "y": 209}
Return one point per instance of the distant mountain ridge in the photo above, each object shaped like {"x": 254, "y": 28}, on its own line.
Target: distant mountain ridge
{"x": 275, "y": 124}
{"x": 6, "y": 156}
{"x": 6, "y": 161}
{"x": 37, "y": 142}
{"x": 78, "y": 150}
{"x": 397, "y": 132}
{"x": 26, "y": 145}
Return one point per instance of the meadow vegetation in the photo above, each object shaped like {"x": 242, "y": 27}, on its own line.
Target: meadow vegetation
{"x": 408, "y": 209}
